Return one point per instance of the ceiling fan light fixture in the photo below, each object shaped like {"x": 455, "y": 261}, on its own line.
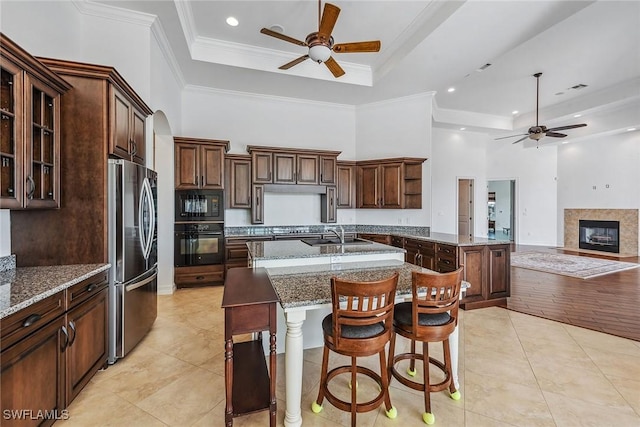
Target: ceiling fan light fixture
{"x": 319, "y": 53}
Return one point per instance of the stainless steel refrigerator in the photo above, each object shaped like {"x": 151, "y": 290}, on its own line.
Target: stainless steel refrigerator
{"x": 133, "y": 255}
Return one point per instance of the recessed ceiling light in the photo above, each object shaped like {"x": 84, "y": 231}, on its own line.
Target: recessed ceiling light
{"x": 631, "y": 129}
{"x": 515, "y": 112}
{"x": 577, "y": 115}
{"x": 232, "y": 21}
{"x": 462, "y": 128}
{"x": 451, "y": 89}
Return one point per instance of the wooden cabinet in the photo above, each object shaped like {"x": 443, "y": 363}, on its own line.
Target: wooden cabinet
{"x": 29, "y": 130}
{"x": 328, "y": 204}
{"x": 199, "y": 275}
{"x": 346, "y": 185}
{"x": 292, "y": 168}
{"x": 257, "y": 204}
{"x": 236, "y": 252}
{"x": 128, "y": 128}
{"x": 277, "y": 165}
{"x": 420, "y": 252}
{"x": 199, "y": 163}
{"x": 446, "y": 258}
{"x": 48, "y": 356}
{"x": 328, "y": 170}
{"x": 389, "y": 183}
{"x": 86, "y": 317}
{"x": 86, "y": 130}
{"x": 238, "y": 184}
{"x": 385, "y": 239}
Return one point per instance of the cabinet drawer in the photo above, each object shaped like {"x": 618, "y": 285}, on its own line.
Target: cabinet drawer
{"x": 446, "y": 251}
{"x": 396, "y": 241}
{"x": 86, "y": 289}
{"x": 236, "y": 252}
{"x": 18, "y": 325}
{"x": 445, "y": 264}
{"x": 248, "y": 318}
{"x": 199, "y": 275}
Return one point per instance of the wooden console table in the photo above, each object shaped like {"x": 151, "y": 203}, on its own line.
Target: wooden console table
{"x": 249, "y": 303}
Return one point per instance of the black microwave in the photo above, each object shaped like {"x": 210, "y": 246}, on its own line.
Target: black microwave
{"x": 199, "y": 205}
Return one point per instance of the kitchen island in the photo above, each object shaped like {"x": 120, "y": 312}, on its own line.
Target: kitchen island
{"x": 304, "y": 291}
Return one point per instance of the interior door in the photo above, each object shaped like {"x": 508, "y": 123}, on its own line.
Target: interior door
{"x": 465, "y": 207}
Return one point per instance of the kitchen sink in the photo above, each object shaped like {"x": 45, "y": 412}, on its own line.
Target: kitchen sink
{"x": 336, "y": 241}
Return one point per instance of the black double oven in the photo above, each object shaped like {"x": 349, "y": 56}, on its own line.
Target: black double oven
{"x": 199, "y": 228}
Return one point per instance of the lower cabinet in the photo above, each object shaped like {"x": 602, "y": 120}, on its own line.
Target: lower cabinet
{"x": 385, "y": 239}
{"x": 48, "y": 354}
{"x": 199, "y": 275}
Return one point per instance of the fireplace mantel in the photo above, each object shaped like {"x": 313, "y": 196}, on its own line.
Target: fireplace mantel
{"x": 628, "y": 219}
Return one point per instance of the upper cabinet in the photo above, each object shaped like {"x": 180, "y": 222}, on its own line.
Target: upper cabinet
{"x": 126, "y": 112}
{"x": 238, "y": 183}
{"x": 346, "y": 182}
{"x": 29, "y": 130}
{"x": 199, "y": 163}
{"x": 275, "y": 165}
{"x": 127, "y": 122}
{"x": 389, "y": 183}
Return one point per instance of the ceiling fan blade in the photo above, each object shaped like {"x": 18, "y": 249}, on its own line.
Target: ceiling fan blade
{"x": 282, "y": 37}
{"x": 334, "y": 67}
{"x": 511, "y": 136}
{"x": 292, "y": 63}
{"x": 521, "y": 139}
{"x": 555, "y": 134}
{"x": 566, "y": 127}
{"x": 367, "y": 46}
{"x": 329, "y": 18}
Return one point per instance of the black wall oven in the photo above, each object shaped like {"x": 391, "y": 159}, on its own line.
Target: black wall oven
{"x": 199, "y": 205}
{"x": 198, "y": 243}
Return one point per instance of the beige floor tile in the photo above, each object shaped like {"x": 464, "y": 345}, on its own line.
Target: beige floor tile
{"x": 514, "y": 370}
{"x": 471, "y": 419}
{"x": 606, "y": 342}
{"x": 198, "y": 348}
{"x": 186, "y": 400}
{"x": 614, "y": 363}
{"x": 578, "y": 381}
{"x": 567, "y": 351}
{"x": 567, "y": 411}
{"x": 629, "y": 388}
{"x": 506, "y": 401}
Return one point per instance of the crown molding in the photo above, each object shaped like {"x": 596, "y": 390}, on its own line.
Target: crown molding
{"x": 88, "y": 7}
{"x": 449, "y": 117}
{"x": 427, "y": 96}
{"x": 165, "y": 48}
{"x": 185, "y": 15}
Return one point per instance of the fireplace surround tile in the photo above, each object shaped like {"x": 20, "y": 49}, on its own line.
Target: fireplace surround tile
{"x": 628, "y": 219}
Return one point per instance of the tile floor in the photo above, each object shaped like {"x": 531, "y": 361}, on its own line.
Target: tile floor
{"x": 515, "y": 370}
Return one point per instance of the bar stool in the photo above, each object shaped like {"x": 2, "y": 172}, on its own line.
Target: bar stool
{"x": 360, "y": 325}
{"x": 431, "y": 316}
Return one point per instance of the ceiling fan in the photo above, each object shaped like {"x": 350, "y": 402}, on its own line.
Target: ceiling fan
{"x": 537, "y": 132}
{"x": 320, "y": 43}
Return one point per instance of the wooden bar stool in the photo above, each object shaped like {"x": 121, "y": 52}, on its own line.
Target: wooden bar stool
{"x": 360, "y": 325}
{"x": 431, "y": 316}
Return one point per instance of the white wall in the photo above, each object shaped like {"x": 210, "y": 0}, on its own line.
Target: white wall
{"x": 534, "y": 170}
{"x": 397, "y": 128}
{"x": 5, "y": 232}
{"x": 246, "y": 119}
{"x": 599, "y": 173}
{"x": 456, "y": 155}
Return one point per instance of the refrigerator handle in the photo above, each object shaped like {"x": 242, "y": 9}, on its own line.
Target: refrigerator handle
{"x": 141, "y": 229}
{"x": 134, "y": 286}
{"x": 146, "y": 239}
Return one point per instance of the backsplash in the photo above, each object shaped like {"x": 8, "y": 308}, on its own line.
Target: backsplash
{"x": 320, "y": 229}
{"x": 7, "y": 263}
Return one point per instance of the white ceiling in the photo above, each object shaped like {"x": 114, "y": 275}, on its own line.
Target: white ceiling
{"x": 426, "y": 46}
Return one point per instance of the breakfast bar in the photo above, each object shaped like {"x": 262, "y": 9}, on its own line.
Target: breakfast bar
{"x": 304, "y": 291}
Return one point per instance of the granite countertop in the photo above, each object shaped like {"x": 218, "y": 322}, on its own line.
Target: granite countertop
{"x": 289, "y": 249}
{"x": 311, "y": 285}
{"x": 454, "y": 239}
{"x": 23, "y": 286}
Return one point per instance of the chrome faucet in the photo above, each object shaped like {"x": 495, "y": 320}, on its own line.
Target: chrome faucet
{"x": 338, "y": 235}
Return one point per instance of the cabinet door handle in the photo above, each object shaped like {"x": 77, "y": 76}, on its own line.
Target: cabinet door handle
{"x": 31, "y": 320}
{"x": 92, "y": 287}
{"x": 199, "y": 277}
{"x": 201, "y": 180}
{"x": 33, "y": 187}
{"x": 415, "y": 258}
{"x": 258, "y": 200}
{"x": 72, "y": 326}
{"x": 63, "y": 345}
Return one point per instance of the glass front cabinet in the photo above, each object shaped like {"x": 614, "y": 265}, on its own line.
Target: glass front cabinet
{"x": 29, "y": 130}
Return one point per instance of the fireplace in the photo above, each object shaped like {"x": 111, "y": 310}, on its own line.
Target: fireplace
{"x": 600, "y": 235}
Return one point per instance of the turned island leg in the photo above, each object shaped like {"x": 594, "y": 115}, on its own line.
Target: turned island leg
{"x": 293, "y": 368}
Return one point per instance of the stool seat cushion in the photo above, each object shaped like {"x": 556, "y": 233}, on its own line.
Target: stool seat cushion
{"x": 402, "y": 316}
{"x": 349, "y": 331}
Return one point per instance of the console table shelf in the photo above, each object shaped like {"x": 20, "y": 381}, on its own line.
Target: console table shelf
{"x": 249, "y": 303}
